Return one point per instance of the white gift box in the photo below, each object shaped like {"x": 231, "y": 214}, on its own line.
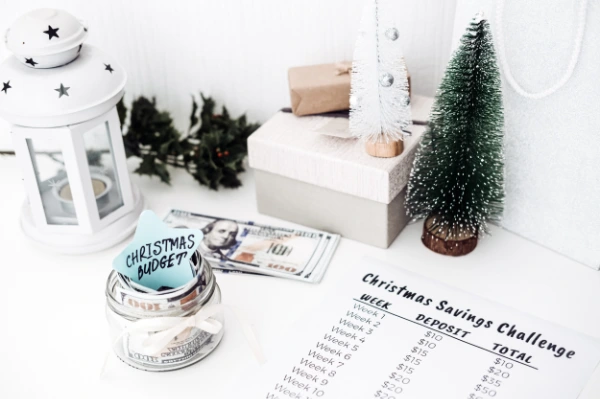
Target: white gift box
{"x": 306, "y": 175}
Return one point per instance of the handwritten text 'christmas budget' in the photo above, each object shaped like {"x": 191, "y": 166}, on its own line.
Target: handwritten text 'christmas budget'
{"x": 158, "y": 256}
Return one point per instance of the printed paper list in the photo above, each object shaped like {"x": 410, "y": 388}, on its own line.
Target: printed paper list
{"x": 391, "y": 334}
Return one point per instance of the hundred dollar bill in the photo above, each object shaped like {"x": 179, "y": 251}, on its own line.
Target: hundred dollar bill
{"x": 127, "y": 298}
{"x": 244, "y": 246}
{"x": 184, "y": 346}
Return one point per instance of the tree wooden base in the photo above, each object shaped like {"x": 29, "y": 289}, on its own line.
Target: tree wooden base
{"x": 436, "y": 240}
{"x": 383, "y": 149}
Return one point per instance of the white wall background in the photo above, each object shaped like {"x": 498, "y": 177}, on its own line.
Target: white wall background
{"x": 239, "y": 50}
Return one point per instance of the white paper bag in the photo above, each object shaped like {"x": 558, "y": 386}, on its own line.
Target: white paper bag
{"x": 552, "y": 143}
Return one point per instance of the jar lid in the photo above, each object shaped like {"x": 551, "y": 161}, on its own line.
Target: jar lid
{"x": 46, "y": 38}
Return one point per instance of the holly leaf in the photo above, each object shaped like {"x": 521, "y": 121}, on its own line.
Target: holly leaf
{"x": 122, "y": 112}
{"x": 163, "y": 173}
{"x": 200, "y": 175}
{"x": 213, "y": 153}
{"x": 150, "y": 167}
{"x": 193, "y": 117}
{"x": 225, "y": 114}
{"x": 164, "y": 149}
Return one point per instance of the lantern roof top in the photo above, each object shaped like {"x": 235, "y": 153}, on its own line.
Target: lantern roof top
{"x": 86, "y": 83}
{"x": 73, "y": 93}
{"x": 44, "y": 33}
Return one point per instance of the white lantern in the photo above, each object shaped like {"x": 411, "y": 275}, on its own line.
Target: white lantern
{"x": 60, "y": 97}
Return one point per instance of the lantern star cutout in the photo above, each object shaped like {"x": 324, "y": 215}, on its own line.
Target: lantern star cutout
{"x": 6, "y": 87}
{"x": 51, "y": 32}
{"x": 108, "y": 68}
{"x": 62, "y": 91}
{"x": 31, "y": 62}
{"x": 158, "y": 256}
{"x": 52, "y": 183}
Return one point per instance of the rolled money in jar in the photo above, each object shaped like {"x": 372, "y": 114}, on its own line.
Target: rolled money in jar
{"x": 180, "y": 325}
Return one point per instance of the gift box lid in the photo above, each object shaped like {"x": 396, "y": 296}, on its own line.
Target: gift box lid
{"x": 298, "y": 148}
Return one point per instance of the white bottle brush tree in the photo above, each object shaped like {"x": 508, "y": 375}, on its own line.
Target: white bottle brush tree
{"x": 379, "y": 101}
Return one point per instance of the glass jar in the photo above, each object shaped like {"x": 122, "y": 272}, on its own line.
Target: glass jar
{"x": 128, "y": 308}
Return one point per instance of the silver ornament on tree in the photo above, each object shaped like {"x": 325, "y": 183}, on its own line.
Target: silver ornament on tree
{"x": 405, "y": 100}
{"x": 60, "y": 97}
{"x": 386, "y": 79}
{"x": 392, "y": 34}
{"x": 379, "y": 79}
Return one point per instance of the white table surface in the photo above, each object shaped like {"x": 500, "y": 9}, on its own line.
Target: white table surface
{"x": 54, "y": 334}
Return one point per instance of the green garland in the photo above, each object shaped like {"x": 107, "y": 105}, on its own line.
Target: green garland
{"x": 213, "y": 151}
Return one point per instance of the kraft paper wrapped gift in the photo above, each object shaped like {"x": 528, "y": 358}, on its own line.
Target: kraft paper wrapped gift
{"x": 330, "y": 183}
{"x": 317, "y": 89}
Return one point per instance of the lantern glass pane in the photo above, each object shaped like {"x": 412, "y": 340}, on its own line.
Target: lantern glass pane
{"x": 101, "y": 161}
{"x": 52, "y": 181}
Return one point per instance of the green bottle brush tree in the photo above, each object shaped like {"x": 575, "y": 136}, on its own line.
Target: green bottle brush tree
{"x": 457, "y": 182}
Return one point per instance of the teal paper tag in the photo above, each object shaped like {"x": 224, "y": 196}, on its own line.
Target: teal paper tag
{"x": 158, "y": 256}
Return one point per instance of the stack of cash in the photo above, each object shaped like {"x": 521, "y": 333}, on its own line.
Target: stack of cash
{"x": 247, "y": 247}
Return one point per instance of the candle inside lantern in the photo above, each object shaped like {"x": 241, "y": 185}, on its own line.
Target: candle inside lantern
{"x": 98, "y": 186}
{"x": 101, "y": 187}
